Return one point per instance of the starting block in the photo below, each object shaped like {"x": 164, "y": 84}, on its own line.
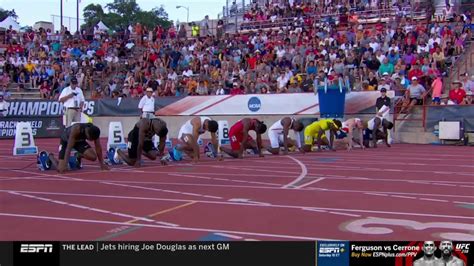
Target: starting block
{"x": 44, "y": 162}
{"x": 24, "y": 141}
{"x": 116, "y": 139}
{"x": 112, "y": 157}
{"x": 156, "y": 142}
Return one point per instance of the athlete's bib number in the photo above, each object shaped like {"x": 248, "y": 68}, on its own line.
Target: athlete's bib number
{"x": 225, "y": 132}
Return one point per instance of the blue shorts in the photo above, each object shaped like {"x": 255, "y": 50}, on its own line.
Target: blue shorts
{"x": 340, "y": 134}
{"x": 367, "y": 134}
{"x": 437, "y": 100}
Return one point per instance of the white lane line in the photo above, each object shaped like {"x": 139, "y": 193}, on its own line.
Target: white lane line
{"x": 46, "y": 175}
{"x": 346, "y": 214}
{"x": 164, "y": 190}
{"x": 228, "y": 235}
{"x": 377, "y": 194}
{"x": 303, "y": 174}
{"x": 225, "y": 179}
{"x": 82, "y": 207}
{"x": 297, "y": 207}
{"x": 462, "y": 202}
{"x": 447, "y": 185}
{"x": 436, "y": 200}
{"x": 210, "y": 230}
{"x": 312, "y": 209}
{"x": 310, "y": 183}
{"x": 402, "y": 197}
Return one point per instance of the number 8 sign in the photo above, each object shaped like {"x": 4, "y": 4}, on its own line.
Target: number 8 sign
{"x": 223, "y": 132}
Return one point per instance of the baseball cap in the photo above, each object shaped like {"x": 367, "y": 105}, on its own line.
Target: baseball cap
{"x": 456, "y": 82}
{"x": 414, "y": 78}
{"x": 74, "y": 80}
{"x": 385, "y": 74}
{"x": 383, "y": 90}
{"x": 149, "y": 90}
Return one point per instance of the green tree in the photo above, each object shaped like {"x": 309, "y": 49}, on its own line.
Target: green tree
{"x": 127, "y": 9}
{"x": 7, "y": 13}
{"x": 93, "y": 14}
{"x": 122, "y": 13}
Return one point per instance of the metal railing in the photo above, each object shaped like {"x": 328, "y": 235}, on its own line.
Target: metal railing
{"x": 363, "y": 17}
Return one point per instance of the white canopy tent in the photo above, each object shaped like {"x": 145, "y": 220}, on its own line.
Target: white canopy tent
{"x": 102, "y": 26}
{"x": 9, "y": 21}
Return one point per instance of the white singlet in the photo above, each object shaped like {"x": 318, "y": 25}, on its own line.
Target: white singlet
{"x": 275, "y": 134}
{"x": 187, "y": 128}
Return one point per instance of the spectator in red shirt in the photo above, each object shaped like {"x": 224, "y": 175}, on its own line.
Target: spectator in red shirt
{"x": 252, "y": 61}
{"x": 415, "y": 72}
{"x": 236, "y": 89}
{"x": 45, "y": 90}
{"x": 458, "y": 94}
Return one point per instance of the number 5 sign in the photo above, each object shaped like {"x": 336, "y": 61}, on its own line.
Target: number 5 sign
{"x": 116, "y": 138}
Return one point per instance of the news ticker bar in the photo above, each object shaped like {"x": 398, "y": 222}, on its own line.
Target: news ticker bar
{"x": 210, "y": 253}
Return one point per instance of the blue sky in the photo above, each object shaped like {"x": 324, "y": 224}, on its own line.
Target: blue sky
{"x": 31, "y": 11}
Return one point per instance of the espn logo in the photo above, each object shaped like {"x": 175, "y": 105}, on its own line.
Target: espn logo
{"x": 331, "y": 250}
{"x": 36, "y": 248}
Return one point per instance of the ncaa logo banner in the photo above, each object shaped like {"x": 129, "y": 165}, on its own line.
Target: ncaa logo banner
{"x": 254, "y": 104}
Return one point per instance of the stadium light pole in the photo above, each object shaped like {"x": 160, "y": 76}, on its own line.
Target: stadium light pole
{"x": 187, "y": 11}
{"x": 61, "y": 15}
{"x": 77, "y": 15}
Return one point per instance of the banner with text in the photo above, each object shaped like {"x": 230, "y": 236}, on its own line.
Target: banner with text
{"x": 102, "y": 107}
{"x": 226, "y": 252}
{"x": 42, "y": 126}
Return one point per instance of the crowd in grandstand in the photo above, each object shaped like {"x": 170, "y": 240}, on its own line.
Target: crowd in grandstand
{"x": 401, "y": 54}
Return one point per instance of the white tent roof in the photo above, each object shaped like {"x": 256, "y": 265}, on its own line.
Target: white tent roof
{"x": 9, "y": 21}
{"x": 102, "y": 26}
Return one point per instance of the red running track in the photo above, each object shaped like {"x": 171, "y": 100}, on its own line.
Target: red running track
{"x": 399, "y": 193}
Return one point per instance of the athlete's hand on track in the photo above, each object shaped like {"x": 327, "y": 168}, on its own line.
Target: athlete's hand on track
{"x": 104, "y": 167}
{"x": 62, "y": 167}
{"x": 261, "y": 155}
{"x": 285, "y": 152}
{"x": 302, "y": 151}
{"x": 240, "y": 156}
{"x": 138, "y": 164}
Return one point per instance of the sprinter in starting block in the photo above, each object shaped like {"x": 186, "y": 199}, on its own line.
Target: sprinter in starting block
{"x": 345, "y": 135}
{"x": 76, "y": 137}
{"x": 377, "y": 128}
{"x": 189, "y": 135}
{"x": 140, "y": 141}
{"x": 240, "y": 140}
{"x": 278, "y": 135}
{"x": 315, "y": 133}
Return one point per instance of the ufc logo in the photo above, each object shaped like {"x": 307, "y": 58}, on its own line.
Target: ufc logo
{"x": 462, "y": 246}
{"x": 36, "y": 248}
